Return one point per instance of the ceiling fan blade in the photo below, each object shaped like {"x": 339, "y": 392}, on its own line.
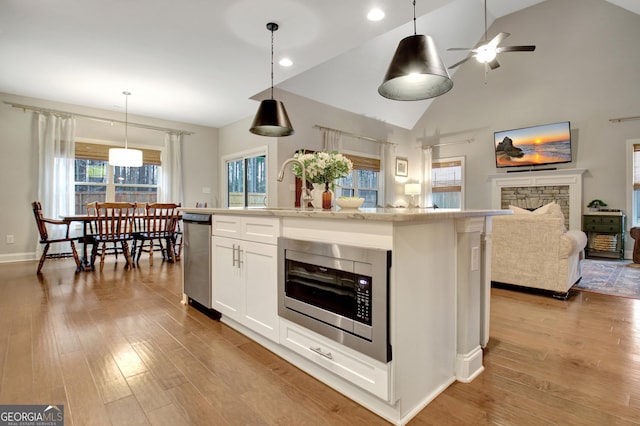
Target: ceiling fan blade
{"x": 493, "y": 64}
{"x": 497, "y": 39}
{"x": 461, "y": 62}
{"x": 459, "y": 48}
{"x": 516, "y": 49}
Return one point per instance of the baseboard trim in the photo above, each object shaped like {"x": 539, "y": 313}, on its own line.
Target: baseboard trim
{"x": 17, "y": 257}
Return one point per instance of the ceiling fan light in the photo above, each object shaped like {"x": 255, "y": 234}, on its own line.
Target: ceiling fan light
{"x": 125, "y": 157}
{"x": 485, "y": 54}
{"x": 271, "y": 120}
{"x": 416, "y": 71}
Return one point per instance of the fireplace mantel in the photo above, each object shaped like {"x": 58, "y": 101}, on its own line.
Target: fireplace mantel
{"x": 561, "y": 177}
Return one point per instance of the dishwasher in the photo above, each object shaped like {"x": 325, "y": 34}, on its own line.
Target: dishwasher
{"x": 197, "y": 258}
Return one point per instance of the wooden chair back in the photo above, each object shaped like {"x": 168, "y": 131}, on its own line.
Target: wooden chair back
{"x": 42, "y": 227}
{"x": 114, "y": 221}
{"x": 161, "y": 218}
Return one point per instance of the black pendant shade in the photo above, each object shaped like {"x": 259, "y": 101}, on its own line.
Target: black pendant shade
{"x": 416, "y": 71}
{"x": 271, "y": 120}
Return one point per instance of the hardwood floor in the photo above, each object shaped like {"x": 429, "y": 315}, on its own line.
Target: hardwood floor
{"x": 118, "y": 348}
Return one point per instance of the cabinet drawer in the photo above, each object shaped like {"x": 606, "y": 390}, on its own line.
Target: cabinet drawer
{"x": 602, "y": 228}
{"x": 362, "y": 371}
{"x": 248, "y": 228}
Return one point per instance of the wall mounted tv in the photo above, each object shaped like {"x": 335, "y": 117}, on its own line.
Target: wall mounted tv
{"x": 533, "y": 146}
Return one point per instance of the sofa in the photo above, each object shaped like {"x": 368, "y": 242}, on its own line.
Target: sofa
{"x": 534, "y": 250}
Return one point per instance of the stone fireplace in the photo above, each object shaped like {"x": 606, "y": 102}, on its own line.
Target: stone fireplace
{"x": 534, "y": 189}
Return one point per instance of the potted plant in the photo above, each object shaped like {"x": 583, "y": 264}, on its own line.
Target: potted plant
{"x": 595, "y": 205}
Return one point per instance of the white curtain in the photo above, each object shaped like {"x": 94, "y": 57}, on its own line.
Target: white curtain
{"x": 427, "y": 158}
{"x": 56, "y": 165}
{"x": 170, "y": 190}
{"x": 332, "y": 140}
{"x": 387, "y": 173}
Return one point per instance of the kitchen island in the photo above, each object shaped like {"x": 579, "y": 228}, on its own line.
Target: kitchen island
{"x": 438, "y": 296}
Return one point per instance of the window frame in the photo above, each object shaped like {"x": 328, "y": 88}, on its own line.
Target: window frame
{"x": 356, "y": 158}
{"x": 110, "y": 184}
{"x": 243, "y": 155}
{"x": 633, "y": 203}
{"x": 461, "y": 160}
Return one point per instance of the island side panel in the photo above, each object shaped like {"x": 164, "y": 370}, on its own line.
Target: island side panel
{"x": 423, "y": 309}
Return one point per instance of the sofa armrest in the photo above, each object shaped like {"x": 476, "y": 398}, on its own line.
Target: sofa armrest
{"x": 572, "y": 242}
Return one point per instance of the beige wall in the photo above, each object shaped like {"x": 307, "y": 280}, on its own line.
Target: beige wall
{"x": 19, "y": 172}
{"x": 586, "y": 69}
{"x": 305, "y": 114}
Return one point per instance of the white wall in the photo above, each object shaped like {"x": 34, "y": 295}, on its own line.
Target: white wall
{"x": 19, "y": 171}
{"x": 586, "y": 69}
{"x": 304, "y": 114}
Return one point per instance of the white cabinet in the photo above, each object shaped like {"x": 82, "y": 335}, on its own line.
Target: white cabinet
{"x": 361, "y": 370}
{"x": 245, "y": 270}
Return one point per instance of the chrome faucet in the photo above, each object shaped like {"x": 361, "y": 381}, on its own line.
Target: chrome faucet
{"x": 305, "y": 194}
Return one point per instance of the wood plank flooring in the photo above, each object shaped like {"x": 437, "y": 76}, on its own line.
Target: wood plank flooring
{"x": 118, "y": 348}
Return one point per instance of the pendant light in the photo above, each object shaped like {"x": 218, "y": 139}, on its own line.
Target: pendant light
{"x": 125, "y": 157}
{"x": 271, "y": 118}
{"x": 416, "y": 71}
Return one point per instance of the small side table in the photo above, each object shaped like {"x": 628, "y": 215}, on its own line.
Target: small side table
{"x": 635, "y": 234}
{"x": 605, "y": 234}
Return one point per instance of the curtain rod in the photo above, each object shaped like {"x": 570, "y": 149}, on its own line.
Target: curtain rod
{"x": 367, "y": 138}
{"x": 94, "y": 118}
{"x": 618, "y": 120}
{"x": 445, "y": 144}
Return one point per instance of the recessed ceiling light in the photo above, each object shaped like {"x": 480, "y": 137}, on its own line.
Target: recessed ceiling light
{"x": 285, "y": 62}
{"x": 375, "y": 15}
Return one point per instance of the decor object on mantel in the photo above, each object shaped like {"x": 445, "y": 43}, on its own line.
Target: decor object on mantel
{"x": 125, "y": 157}
{"x": 323, "y": 168}
{"x": 416, "y": 71}
{"x": 271, "y": 118}
{"x": 595, "y": 205}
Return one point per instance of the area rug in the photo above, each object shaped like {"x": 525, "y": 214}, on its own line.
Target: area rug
{"x": 613, "y": 277}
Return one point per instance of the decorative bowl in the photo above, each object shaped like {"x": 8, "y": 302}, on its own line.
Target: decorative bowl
{"x": 349, "y": 202}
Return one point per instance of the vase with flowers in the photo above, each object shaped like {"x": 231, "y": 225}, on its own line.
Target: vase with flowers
{"x": 323, "y": 168}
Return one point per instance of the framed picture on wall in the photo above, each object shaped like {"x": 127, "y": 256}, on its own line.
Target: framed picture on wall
{"x": 402, "y": 166}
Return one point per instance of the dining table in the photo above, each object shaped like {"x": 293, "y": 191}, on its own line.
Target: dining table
{"x": 86, "y": 238}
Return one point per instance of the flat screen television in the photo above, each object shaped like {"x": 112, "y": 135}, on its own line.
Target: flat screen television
{"x": 533, "y": 146}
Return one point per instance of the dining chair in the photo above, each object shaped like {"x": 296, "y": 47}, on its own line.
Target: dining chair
{"x": 42, "y": 224}
{"x": 114, "y": 224}
{"x": 159, "y": 231}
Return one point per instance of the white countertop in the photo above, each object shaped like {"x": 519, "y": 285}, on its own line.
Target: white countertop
{"x": 380, "y": 214}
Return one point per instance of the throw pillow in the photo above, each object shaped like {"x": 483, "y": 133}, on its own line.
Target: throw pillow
{"x": 519, "y": 210}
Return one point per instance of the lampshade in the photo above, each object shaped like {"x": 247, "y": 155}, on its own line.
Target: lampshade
{"x": 125, "y": 157}
{"x": 271, "y": 118}
{"x": 412, "y": 188}
{"x": 416, "y": 71}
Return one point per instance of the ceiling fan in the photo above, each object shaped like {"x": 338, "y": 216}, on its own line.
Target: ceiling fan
{"x": 487, "y": 50}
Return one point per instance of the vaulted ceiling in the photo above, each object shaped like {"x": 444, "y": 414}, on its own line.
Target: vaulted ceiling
{"x": 202, "y": 61}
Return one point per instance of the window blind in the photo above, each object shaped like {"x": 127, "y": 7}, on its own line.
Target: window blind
{"x": 100, "y": 152}
{"x": 364, "y": 163}
{"x": 446, "y": 176}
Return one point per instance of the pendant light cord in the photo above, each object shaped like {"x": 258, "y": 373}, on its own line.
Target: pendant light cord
{"x": 272, "y": 30}
{"x": 414, "y": 18}
{"x": 126, "y": 118}
{"x": 485, "y": 20}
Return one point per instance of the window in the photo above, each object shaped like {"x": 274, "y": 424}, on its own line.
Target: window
{"x": 95, "y": 180}
{"x": 247, "y": 181}
{"x": 448, "y": 182}
{"x": 635, "y": 208}
{"x": 362, "y": 181}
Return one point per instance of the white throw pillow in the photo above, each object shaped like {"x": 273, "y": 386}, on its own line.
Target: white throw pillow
{"x": 519, "y": 210}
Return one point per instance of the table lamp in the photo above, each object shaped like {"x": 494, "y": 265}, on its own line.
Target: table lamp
{"x": 412, "y": 189}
